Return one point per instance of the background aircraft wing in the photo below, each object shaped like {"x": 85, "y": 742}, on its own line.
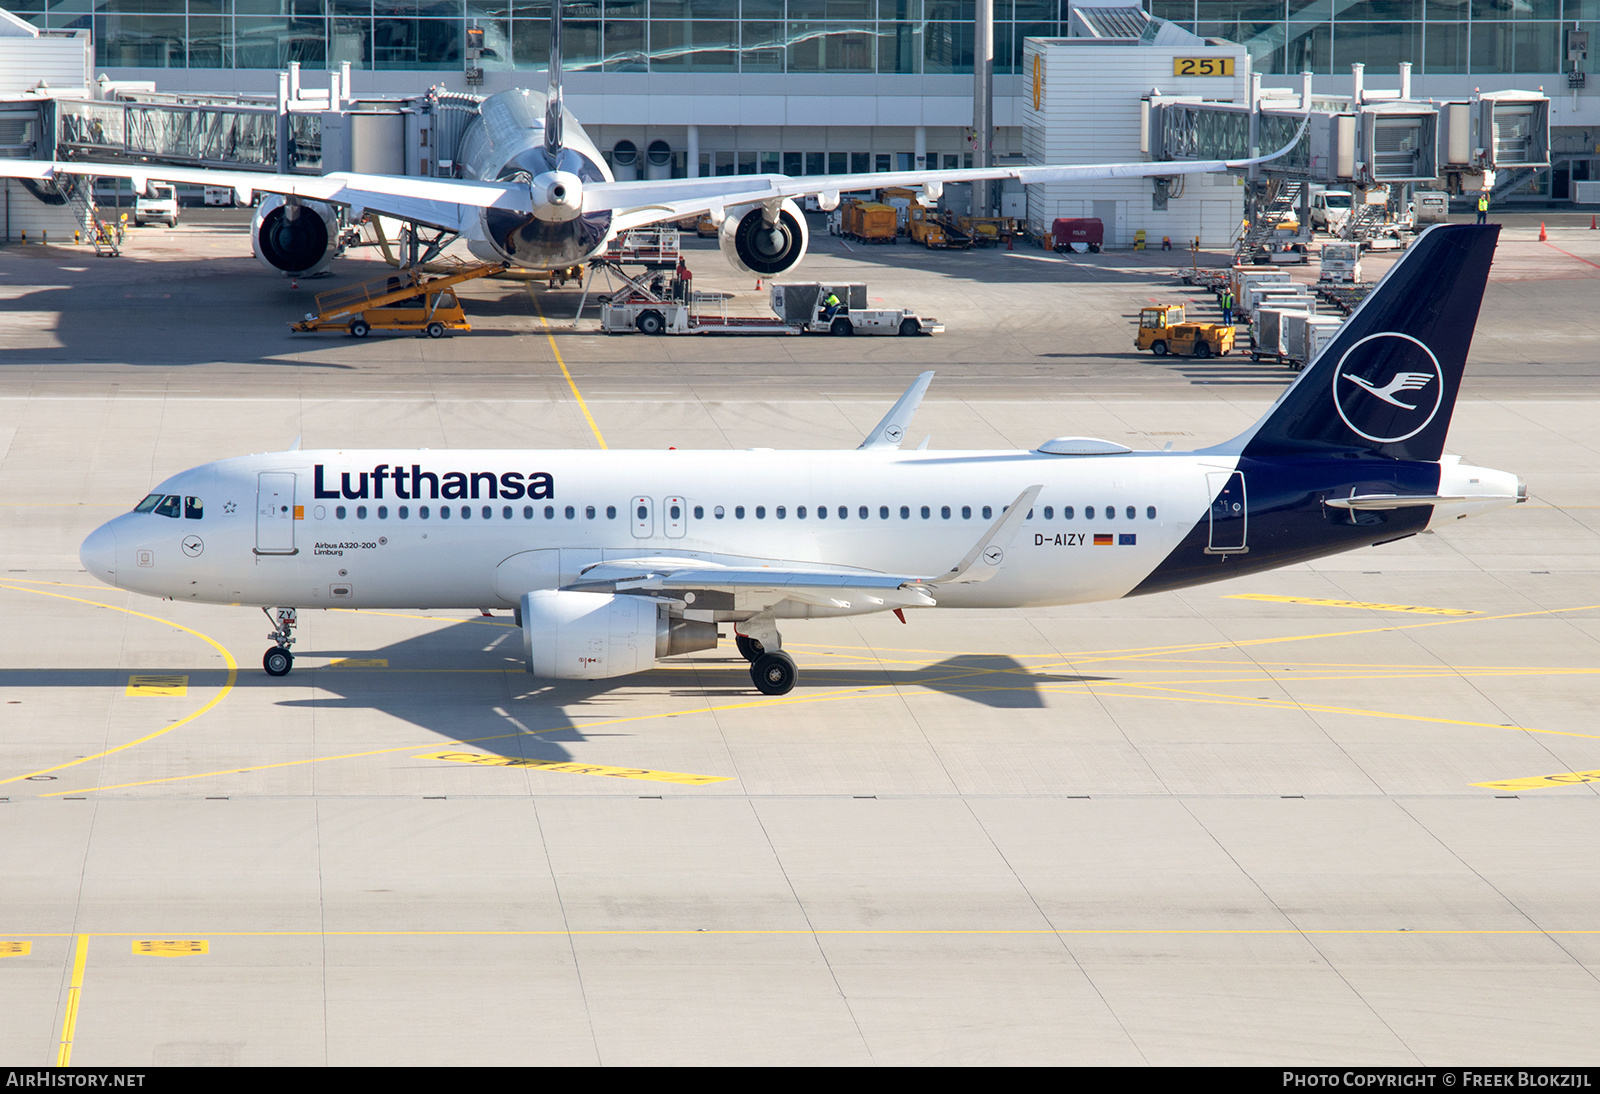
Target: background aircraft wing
{"x": 451, "y": 204}
{"x": 648, "y": 201}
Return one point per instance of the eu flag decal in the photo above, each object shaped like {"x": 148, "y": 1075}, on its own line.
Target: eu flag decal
{"x": 1126, "y": 540}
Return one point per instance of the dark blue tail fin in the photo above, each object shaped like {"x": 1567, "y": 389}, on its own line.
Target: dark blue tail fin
{"x": 1386, "y": 385}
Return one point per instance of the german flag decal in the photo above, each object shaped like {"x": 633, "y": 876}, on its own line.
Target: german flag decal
{"x": 1104, "y": 539}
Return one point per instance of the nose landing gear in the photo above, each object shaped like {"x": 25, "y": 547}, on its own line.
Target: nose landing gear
{"x": 277, "y": 661}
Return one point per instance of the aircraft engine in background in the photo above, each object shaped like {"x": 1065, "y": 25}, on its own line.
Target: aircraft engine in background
{"x": 752, "y": 247}
{"x": 300, "y": 240}
{"x": 594, "y": 636}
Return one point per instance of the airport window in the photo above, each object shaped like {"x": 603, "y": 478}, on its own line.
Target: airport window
{"x": 1066, "y": 512}
{"x": 926, "y": 512}
{"x": 571, "y": 513}
{"x": 361, "y": 512}
{"x": 966, "y": 512}
{"x": 404, "y": 512}
{"x": 1049, "y": 513}
{"x": 944, "y": 511}
{"x": 1131, "y": 513}
{"x": 422, "y": 512}
{"x": 905, "y": 512}
{"x": 338, "y": 511}
{"x": 383, "y": 512}
{"x": 194, "y": 508}
{"x": 718, "y": 512}
{"x": 171, "y": 506}
{"x": 150, "y": 502}
{"x": 611, "y": 512}
{"x": 588, "y": 512}
{"x": 1150, "y": 513}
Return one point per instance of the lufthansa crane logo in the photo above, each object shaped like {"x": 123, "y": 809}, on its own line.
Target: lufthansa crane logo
{"x": 1388, "y": 387}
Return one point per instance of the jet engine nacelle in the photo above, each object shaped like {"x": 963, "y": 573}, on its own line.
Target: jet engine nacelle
{"x": 752, "y": 246}
{"x": 300, "y": 240}
{"x": 593, "y": 636}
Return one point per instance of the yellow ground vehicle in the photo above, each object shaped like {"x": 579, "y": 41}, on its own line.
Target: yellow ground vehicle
{"x": 402, "y": 301}
{"x": 924, "y": 227}
{"x": 1163, "y": 330}
{"x": 705, "y": 227}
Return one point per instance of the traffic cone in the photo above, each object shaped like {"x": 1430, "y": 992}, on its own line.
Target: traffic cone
{"x": 1594, "y": 222}
{"x": 1542, "y": 237}
{"x": 294, "y": 283}
{"x": 758, "y": 284}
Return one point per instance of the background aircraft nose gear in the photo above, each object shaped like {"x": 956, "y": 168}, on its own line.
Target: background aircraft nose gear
{"x": 277, "y": 661}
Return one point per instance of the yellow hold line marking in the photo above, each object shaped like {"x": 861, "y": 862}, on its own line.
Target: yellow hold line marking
{"x": 570, "y": 768}
{"x": 1540, "y": 782}
{"x": 1062, "y": 931}
{"x": 170, "y": 947}
{"x": 359, "y": 663}
{"x": 576, "y": 394}
{"x": 69, "y": 1021}
{"x": 1350, "y": 604}
{"x": 15, "y": 948}
{"x": 169, "y": 684}
{"x": 233, "y": 676}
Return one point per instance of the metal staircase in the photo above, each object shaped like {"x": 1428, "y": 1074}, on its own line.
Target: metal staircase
{"x": 1277, "y": 200}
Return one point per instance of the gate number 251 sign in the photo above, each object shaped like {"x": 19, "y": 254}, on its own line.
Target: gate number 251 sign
{"x": 1202, "y": 66}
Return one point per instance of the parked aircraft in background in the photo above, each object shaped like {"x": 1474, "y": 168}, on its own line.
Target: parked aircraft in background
{"x": 535, "y": 192}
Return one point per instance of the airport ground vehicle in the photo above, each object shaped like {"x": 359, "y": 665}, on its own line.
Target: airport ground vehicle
{"x": 798, "y": 308}
{"x": 1330, "y": 209}
{"x": 159, "y": 201}
{"x": 870, "y": 222}
{"x": 399, "y": 302}
{"x": 1163, "y": 330}
{"x": 1089, "y": 232}
{"x": 926, "y": 228}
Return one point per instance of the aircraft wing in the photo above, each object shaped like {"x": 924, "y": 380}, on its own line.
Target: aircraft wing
{"x": 757, "y": 583}
{"x": 451, "y": 204}
{"x": 646, "y": 202}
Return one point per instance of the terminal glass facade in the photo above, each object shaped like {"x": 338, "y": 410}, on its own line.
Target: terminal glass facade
{"x": 776, "y": 36}
{"x": 1439, "y": 37}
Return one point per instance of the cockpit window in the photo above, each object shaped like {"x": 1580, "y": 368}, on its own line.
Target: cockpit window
{"x": 171, "y": 506}
{"x": 149, "y": 503}
{"x": 194, "y": 508}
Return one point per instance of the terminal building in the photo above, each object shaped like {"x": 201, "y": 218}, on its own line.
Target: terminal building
{"x": 706, "y": 87}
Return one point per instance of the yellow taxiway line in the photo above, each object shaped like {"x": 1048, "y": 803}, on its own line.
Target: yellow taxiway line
{"x": 576, "y": 394}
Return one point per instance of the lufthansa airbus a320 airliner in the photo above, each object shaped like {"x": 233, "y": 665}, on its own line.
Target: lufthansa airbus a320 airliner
{"x": 614, "y": 559}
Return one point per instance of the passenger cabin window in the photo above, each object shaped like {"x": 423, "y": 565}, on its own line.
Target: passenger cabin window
{"x": 194, "y": 508}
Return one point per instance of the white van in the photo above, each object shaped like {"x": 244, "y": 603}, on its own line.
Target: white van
{"x": 1330, "y": 209}
{"x": 158, "y": 202}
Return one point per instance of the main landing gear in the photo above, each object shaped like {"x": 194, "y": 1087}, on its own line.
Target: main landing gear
{"x": 773, "y": 673}
{"x": 277, "y": 661}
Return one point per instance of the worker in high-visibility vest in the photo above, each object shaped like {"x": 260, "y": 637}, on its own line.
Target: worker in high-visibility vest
{"x": 1483, "y": 206}
{"x": 1226, "y": 300}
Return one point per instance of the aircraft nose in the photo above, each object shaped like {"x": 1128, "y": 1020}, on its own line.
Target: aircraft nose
{"x": 99, "y": 554}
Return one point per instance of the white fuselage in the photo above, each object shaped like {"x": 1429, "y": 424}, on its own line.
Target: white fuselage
{"x": 923, "y": 512}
